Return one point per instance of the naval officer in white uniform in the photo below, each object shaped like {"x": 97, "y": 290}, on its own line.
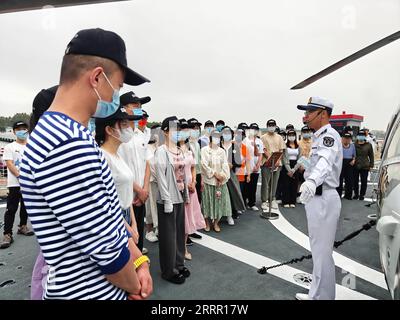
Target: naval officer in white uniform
{"x": 322, "y": 202}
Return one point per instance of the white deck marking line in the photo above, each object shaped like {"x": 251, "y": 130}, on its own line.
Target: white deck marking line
{"x": 358, "y": 269}
{"x": 256, "y": 260}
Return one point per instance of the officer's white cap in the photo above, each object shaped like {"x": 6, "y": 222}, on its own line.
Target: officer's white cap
{"x": 317, "y": 103}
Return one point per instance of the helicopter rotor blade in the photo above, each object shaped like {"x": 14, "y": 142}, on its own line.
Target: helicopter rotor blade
{"x": 376, "y": 45}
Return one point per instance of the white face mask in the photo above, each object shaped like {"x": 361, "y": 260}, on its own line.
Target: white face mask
{"x": 216, "y": 141}
{"x": 271, "y": 129}
{"x": 291, "y": 138}
{"x": 125, "y": 135}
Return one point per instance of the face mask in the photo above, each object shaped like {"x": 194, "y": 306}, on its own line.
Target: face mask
{"x": 209, "y": 129}
{"x": 22, "y": 134}
{"x": 219, "y": 128}
{"x": 184, "y": 135}
{"x": 195, "y": 134}
{"x": 271, "y": 129}
{"x": 104, "y": 108}
{"x": 175, "y": 136}
{"x": 227, "y": 137}
{"x": 216, "y": 141}
{"x": 361, "y": 138}
{"x": 291, "y": 138}
{"x": 125, "y": 135}
{"x": 252, "y": 133}
{"x": 137, "y": 112}
{"x": 306, "y": 135}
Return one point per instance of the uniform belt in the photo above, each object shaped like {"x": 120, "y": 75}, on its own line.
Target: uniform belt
{"x": 321, "y": 188}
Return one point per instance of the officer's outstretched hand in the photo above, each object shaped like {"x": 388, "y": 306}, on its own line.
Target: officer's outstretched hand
{"x": 307, "y": 190}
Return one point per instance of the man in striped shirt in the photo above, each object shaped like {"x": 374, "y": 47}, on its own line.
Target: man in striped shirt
{"x": 67, "y": 186}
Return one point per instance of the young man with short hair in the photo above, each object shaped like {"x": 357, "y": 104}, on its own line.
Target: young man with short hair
{"x": 66, "y": 183}
{"x": 12, "y": 156}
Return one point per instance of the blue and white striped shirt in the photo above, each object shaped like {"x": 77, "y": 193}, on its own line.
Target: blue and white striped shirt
{"x": 71, "y": 200}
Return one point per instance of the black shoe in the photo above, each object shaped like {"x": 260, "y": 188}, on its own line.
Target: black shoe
{"x": 348, "y": 197}
{"x": 176, "y": 278}
{"x": 195, "y": 236}
{"x": 185, "y": 272}
{"x": 355, "y": 197}
{"x": 189, "y": 242}
{"x": 361, "y": 198}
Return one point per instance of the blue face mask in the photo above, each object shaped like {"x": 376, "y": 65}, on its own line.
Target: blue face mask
{"x": 219, "y": 128}
{"x": 22, "y": 134}
{"x": 306, "y": 135}
{"x": 175, "y": 136}
{"x": 105, "y": 108}
{"x": 209, "y": 129}
{"x": 137, "y": 112}
{"x": 195, "y": 134}
{"x": 361, "y": 138}
{"x": 227, "y": 137}
{"x": 184, "y": 135}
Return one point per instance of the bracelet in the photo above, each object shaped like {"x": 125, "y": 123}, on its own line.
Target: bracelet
{"x": 139, "y": 261}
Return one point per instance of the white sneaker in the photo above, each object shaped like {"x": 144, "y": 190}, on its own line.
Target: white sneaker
{"x": 264, "y": 205}
{"x": 274, "y": 205}
{"x": 278, "y": 201}
{"x": 302, "y": 296}
{"x": 151, "y": 236}
{"x": 230, "y": 221}
{"x": 286, "y": 206}
{"x": 144, "y": 250}
{"x": 293, "y": 206}
{"x": 254, "y": 208}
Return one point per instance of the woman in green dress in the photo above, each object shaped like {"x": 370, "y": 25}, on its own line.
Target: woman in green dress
{"x": 215, "y": 173}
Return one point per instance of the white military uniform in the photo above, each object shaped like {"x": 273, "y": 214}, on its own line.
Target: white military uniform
{"x": 323, "y": 211}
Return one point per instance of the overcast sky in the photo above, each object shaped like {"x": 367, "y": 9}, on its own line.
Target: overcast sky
{"x": 219, "y": 59}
